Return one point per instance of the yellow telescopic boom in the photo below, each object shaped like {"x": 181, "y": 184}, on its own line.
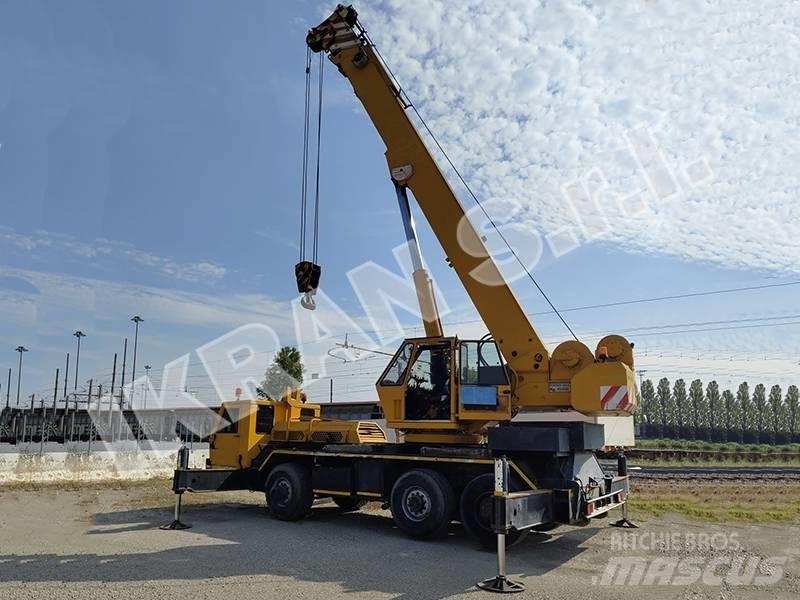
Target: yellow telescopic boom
{"x": 599, "y": 382}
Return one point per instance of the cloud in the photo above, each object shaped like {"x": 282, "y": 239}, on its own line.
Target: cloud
{"x": 530, "y": 97}
{"x": 110, "y": 299}
{"x": 50, "y": 247}
{"x": 40, "y": 307}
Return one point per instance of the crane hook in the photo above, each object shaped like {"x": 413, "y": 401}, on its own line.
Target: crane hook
{"x": 307, "y": 301}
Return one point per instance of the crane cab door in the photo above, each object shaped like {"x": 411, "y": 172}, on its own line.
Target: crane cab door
{"x": 416, "y": 388}
{"x": 225, "y": 443}
{"x": 430, "y": 382}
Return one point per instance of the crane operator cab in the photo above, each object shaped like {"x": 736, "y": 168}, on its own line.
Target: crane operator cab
{"x": 445, "y": 389}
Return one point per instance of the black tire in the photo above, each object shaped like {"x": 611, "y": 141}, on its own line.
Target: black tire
{"x": 477, "y": 509}
{"x": 348, "y": 503}
{"x": 423, "y": 503}
{"x": 288, "y": 491}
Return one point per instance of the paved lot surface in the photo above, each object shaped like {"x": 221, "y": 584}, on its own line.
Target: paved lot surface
{"x": 94, "y": 543}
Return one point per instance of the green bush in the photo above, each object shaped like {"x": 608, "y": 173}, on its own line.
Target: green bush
{"x": 681, "y": 444}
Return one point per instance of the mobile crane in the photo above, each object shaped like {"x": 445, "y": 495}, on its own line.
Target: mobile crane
{"x": 451, "y": 401}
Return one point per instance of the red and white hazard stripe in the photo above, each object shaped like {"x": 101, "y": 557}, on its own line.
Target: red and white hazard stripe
{"x": 615, "y": 397}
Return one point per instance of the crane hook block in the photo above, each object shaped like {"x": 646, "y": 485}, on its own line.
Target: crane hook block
{"x": 307, "y": 274}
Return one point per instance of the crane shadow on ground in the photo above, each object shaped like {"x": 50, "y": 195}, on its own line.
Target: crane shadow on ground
{"x": 360, "y": 551}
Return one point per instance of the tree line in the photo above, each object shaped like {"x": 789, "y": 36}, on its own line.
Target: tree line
{"x": 707, "y": 413}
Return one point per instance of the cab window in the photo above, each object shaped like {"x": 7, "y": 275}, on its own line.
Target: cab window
{"x": 231, "y": 417}
{"x": 481, "y": 364}
{"x": 265, "y": 415}
{"x": 396, "y": 372}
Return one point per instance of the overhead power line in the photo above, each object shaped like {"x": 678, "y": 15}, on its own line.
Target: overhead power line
{"x": 676, "y": 297}
{"x": 617, "y": 303}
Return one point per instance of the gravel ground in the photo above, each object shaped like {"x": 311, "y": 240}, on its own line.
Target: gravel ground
{"x": 102, "y": 542}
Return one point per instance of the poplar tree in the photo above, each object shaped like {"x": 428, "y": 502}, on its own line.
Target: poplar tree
{"x": 776, "y": 412}
{"x": 681, "y": 406}
{"x": 731, "y": 419}
{"x": 793, "y": 412}
{"x": 651, "y": 412}
{"x": 667, "y": 407}
{"x": 745, "y": 409}
{"x": 760, "y": 410}
{"x": 698, "y": 412}
{"x": 715, "y": 410}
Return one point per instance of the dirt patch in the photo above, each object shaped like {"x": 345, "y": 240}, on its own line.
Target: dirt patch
{"x": 96, "y": 541}
{"x": 719, "y": 500}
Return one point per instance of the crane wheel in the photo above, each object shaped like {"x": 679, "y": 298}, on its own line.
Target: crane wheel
{"x": 477, "y": 513}
{"x": 348, "y": 503}
{"x": 422, "y": 503}
{"x": 288, "y": 491}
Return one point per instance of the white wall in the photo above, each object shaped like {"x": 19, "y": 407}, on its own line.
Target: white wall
{"x": 123, "y": 462}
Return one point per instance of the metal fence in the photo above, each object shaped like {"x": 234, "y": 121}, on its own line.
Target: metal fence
{"x": 48, "y": 425}
{"x": 190, "y": 425}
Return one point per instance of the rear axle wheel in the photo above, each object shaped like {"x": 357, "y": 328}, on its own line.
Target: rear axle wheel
{"x": 288, "y": 491}
{"x": 477, "y": 513}
{"x": 422, "y": 503}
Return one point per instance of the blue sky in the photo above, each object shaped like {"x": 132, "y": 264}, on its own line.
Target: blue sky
{"x": 150, "y": 164}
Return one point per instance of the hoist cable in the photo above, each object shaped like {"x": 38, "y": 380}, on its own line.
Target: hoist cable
{"x": 466, "y": 185}
{"x": 304, "y": 186}
{"x": 319, "y": 152}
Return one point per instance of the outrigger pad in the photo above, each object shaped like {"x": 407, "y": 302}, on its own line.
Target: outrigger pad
{"x": 308, "y": 275}
{"x": 501, "y": 585}
{"x": 625, "y": 523}
{"x": 175, "y": 525}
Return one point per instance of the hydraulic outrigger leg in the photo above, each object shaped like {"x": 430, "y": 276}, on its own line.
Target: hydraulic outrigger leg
{"x": 622, "y": 471}
{"x": 501, "y": 584}
{"x": 183, "y": 463}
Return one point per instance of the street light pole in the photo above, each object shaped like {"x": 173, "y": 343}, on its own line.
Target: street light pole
{"x": 21, "y": 350}
{"x": 66, "y": 379}
{"x": 78, "y": 334}
{"x": 137, "y": 319}
{"x": 147, "y": 385}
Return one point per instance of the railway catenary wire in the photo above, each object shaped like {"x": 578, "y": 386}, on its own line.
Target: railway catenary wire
{"x": 592, "y": 307}
{"x": 42, "y": 392}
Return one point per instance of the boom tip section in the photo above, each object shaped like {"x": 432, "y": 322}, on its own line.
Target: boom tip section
{"x": 334, "y": 32}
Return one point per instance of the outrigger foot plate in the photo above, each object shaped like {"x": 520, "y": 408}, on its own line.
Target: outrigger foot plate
{"x": 501, "y": 585}
{"x": 624, "y": 522}
{"x": 175, "y": 525}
